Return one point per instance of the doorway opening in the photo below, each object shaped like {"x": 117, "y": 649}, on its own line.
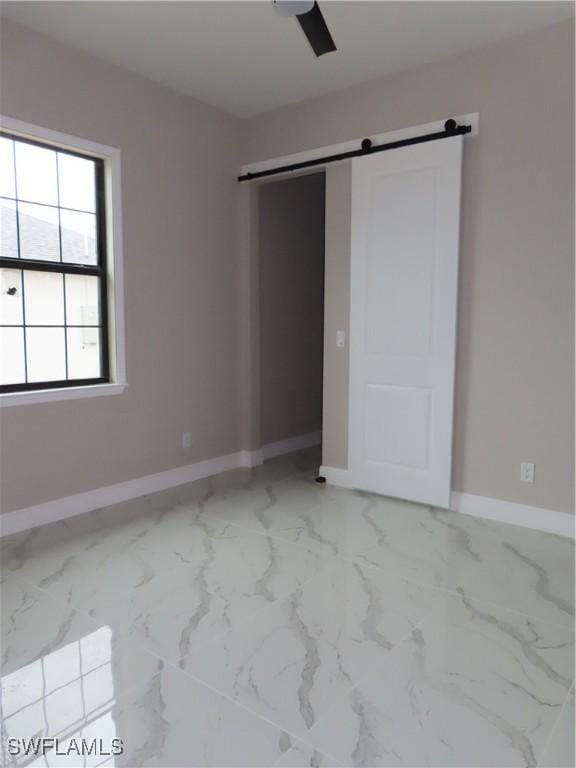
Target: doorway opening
{"x": 291, "y": 238}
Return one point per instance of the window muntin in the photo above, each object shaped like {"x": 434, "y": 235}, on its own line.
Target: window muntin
{"x": 53, "y": 280}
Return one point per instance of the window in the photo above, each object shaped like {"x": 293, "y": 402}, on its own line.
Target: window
{"x": 82, "y": 672}
{"x": 53, "y": 272}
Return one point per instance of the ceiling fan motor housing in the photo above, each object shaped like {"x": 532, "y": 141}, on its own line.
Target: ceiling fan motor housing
{"x": 293, "y": 7}
{"x": 311, "y": 20}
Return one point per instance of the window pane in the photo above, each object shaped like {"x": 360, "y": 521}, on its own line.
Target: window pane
{"x": 44, "y": 298}
{"x": 61, "y": 666}
{"x": 96, "y": 648}
{"x": 62, "y": 710}
{"x": 77, "y": 183}
{"x": 31, "y": 719}
{"x": 8, "y": 230}
{"x": 82, "y": 304}
{"x": 19, "y": 688}
{"x": 45, "y": 354}
{"x": 50, "y": 323}
{"x": 39, "y": 236}
{"x": 10, "y": 297}
{"x": 36, "y": 174}
{"x": 78, "y": 237}
{"x": 7, "y": 168}
{"x": 12, "y": 358}
{"x": 83, "y": 353}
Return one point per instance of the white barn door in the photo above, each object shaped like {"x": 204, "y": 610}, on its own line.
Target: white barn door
{"x": 404, "y": 280}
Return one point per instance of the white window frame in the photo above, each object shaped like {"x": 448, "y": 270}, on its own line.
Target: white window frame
{"x": 115, "y": 275}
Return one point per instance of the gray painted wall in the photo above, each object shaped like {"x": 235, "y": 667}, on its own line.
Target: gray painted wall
{"x": 515, "y": 356}
{"x": 191, "y": 268}
{"x": 179, "y": 162}
{"x": 291, "y": 288}
{"x": 337, "y": 316}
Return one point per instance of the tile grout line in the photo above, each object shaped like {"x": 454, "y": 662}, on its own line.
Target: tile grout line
{"x": 553, "y": 730}
{"x": 168, "y": 663}
{"x": 341, "y": 696}
{"x": 332, "y": 560}
{"x": 367, "y": 676}
{"x": 460, "y": 592}
{"x": 386, "y": 661}
{"x": 268, "y": 534}
{"x": 303, "y": 743}
{"x": 193, "y": 679}
{"x": 122, "y": 638}
{"x": 331, "y": 565}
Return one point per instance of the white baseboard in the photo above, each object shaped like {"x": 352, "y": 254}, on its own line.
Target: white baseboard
{"x": 336, "y": 476}
{"x": 61, "y": 509}
{"x": 291, "y": 444}
{"x": 548, "y": 520}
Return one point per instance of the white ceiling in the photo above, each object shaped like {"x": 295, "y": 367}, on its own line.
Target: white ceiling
{"x": 245, "y": 58}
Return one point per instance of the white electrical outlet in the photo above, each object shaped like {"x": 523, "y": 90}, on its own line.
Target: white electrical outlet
{"x": 340, "y": 338}
{"x": 527, "y": 472}
{"x": 186, "y": 440}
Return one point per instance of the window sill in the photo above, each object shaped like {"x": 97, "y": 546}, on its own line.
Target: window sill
{"x": 54, "y": 395}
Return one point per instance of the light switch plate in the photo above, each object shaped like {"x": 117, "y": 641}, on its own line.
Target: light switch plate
{"x": 527, "y": 471}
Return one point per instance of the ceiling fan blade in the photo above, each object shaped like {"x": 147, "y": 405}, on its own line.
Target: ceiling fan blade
{"x": 315, "y": 29}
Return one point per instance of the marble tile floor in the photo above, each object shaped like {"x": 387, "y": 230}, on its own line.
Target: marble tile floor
{"x": 259, "y": 619}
